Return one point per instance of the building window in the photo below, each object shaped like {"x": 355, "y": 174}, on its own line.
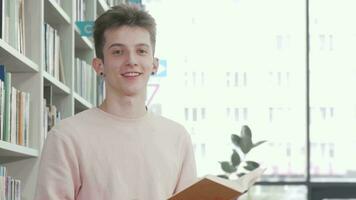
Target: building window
{"x": 237, "y": 114}
{"x": 278, "y": 114}
{"x": 280, "y": 79}
{"x": 194, "y": 79}
{"x": 194, "y": 114}
{"x": 283, "y": 41}
{"x": 236, "y": 79}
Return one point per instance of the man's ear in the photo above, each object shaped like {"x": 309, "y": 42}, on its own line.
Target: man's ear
{"x": 98, "y": 65}
{"x": 155, "y": 65}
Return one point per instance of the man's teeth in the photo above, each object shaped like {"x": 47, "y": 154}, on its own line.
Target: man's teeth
{"x": 131, "y": 74}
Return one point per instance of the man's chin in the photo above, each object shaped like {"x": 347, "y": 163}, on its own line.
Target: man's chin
{"x": 132, "y": 93}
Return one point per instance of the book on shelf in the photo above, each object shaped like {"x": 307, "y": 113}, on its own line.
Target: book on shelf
{"x": 6, "y": 112}
{"x": 10, "y": 188}
{"x": 215, "y": 188}
{"x": 51, "y": 113}
{"x": 62, "y": 77}
{"x": 81, "y": 10}
{"x": 84, "y": 79}
{"x": 53, "y": 60}
{"x": 13, "y": 115}
{"x": 5, "y": 22}
{"x": 12, "y": 23}
{"x": 14, "y": 111}
{"x": 2, "y": 18}
{"x": 21, "y": 26}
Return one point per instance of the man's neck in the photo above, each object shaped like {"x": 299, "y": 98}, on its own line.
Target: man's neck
{"x": 126, "y": 107}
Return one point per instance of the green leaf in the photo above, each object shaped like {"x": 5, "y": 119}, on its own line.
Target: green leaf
{"x": 251, "y": 165}
{"x": 240, "y": 174}
{"x": 235, "y": 158}
{"x": 246, "y": 132}
{"x": 223, "y": 176}
{"x": 246, "y": 139}
{"x": 236, "y": 140}
{"x": 258, "y": 143}
{"x": 227, "y": 167}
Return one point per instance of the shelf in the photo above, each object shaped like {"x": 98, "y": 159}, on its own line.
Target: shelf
{"x": 14, "y": 61}
{"x": 81, "y": 103}
{"x": 13, "y": 152}
{"x": 82, "y": 42}
{"x": 54, "y": 14}
{"x": 59, "y": 87}
{"x": 102, "y": 6}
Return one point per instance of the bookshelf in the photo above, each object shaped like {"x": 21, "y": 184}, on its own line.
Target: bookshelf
{"x": 102, "y": 6}
{"x": 11, "y": 152}
{"x": 45, "y": 67}
{"x": 11, "y": 57}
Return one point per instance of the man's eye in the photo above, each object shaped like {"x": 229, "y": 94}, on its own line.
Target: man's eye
{"x": 142, "y": 51}
{"x": 117, "y": 52}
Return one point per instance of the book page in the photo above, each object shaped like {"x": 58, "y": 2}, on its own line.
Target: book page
{"x": 212, "y": 187}
{"x": 241, "y": 184}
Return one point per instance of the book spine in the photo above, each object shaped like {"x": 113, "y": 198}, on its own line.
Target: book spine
{"x": 6, "y": 121}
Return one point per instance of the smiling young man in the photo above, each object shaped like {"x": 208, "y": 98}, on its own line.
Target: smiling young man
{"x": 118, "y": 150}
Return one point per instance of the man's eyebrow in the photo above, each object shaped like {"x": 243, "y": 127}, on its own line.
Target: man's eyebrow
{"x": 122, "y": 45}
{"x": 143, "y": 44}
{"x": 116, "y": 45}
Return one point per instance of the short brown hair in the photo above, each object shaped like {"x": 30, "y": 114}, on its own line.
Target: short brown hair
{"x": 122, "y": 15}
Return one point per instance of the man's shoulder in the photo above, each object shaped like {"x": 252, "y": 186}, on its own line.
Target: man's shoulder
{"x": 76, "y": 121}
{"x": 165, "y": 121}
{"x": 168, "y": 124}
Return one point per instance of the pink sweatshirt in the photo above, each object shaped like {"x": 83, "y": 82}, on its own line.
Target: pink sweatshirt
{"x": 98, "y": 156}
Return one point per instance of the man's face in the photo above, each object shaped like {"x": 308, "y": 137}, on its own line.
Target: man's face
{"x": 128, "y": 60}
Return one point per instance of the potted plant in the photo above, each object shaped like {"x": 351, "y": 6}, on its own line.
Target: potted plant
{"x": 244, "y": 145}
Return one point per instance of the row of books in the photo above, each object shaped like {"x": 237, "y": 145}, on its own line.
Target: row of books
{"x": 53, "y": 56}
{"x": 10, "y": 188}
{"x": 81, "y": 8}
{"x": 14, "y": 111}
{"x": 51, "y": 117}
{"x": 12, "y": 23}
{"x": 85, "y": 80}
{"x": 113, "y": 2}
{"x": 116, "y": 2}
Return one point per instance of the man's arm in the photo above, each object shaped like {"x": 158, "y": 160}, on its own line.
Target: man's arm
{"x": 58, "y": 176}
{"x": 188, "y": 173}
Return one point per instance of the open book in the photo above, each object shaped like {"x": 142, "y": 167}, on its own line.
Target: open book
{"x": 215, "y": 188}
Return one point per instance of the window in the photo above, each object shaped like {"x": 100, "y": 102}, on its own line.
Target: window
{"x": 331, "y": 81}
{"x": 236, "y": 79}
{"x": 194, "y": 79}
{"x": 261, "y": 46}
{"x": 239, "y": 57}
{"x": 194, "y": 114}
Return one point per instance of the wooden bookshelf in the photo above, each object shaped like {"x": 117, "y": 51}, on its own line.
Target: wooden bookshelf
{"x": 16, "y": 61}
{"x": 81, "y": 103}
{"x": 82, "y": 43}
{"x": 59, "y": 87}
{"x": 55, "y": 14}
{"x": 28, "y": 70}
{"x": 101, "y": 6}
{"x": 11, "y": 152}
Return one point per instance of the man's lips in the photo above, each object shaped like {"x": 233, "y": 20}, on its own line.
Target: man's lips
{"x": 131, "y": 74}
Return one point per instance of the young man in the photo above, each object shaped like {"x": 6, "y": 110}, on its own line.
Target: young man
{"x": 118, "y": 150}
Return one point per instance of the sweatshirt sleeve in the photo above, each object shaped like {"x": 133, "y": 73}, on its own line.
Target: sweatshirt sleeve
{"x": 58, "y": 175}
{"x": 188, "y": 174}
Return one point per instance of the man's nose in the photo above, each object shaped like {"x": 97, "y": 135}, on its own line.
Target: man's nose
{"x": 131, "y": 59}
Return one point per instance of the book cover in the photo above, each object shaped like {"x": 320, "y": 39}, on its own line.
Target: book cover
{"x": 215, "y": 188}
{"x": 7, "y": 108}
{"x": 2, "y": 17}
{"x": 13, "y": 116}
